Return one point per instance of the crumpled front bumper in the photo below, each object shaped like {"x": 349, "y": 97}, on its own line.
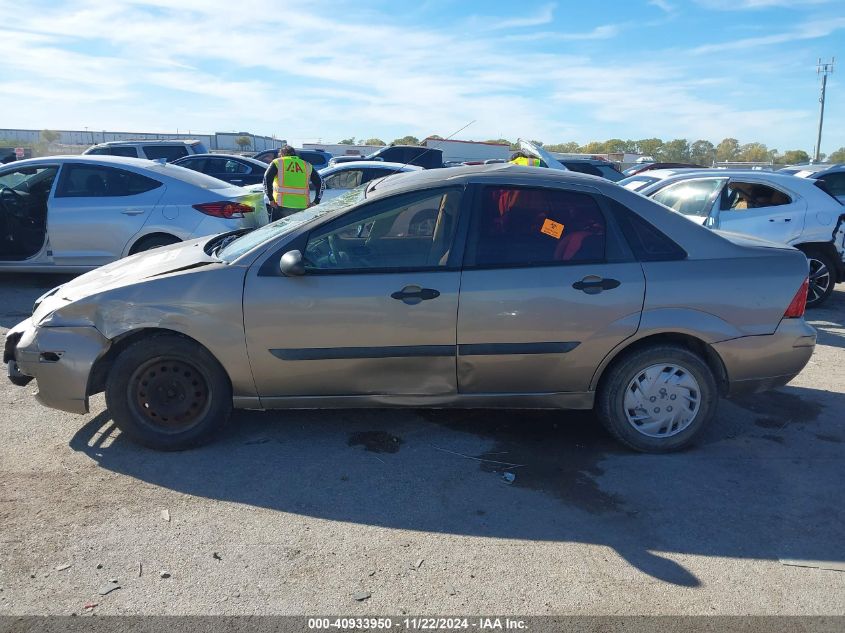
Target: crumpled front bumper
{"x": 59, "y": 358}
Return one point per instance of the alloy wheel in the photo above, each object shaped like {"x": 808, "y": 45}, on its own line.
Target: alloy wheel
{"x": 820, "y": 280}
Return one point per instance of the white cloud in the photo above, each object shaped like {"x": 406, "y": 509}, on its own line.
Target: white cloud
{"x": 664, "y": 5}
{"x": 807, "y": 31}
{"x": 544, "y": 15}
{"x": 743, "y": 5}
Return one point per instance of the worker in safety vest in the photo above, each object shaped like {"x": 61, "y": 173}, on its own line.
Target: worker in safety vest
{"x": 286, "y": 184}
{"x": 521, "y": 158}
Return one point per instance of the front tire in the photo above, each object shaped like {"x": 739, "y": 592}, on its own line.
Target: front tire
{"x": 657, "y": 399}
{"x": 168, "y": 393}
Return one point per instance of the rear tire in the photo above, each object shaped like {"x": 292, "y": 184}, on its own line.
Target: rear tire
{"x": 657, "y": 399}
{"x": 153, "y": 241}
{"x": 168, "y": 393}
{"x": 822, "y": 277}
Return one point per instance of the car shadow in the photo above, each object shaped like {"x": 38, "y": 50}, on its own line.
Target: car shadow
{"x": 764, "y": 482}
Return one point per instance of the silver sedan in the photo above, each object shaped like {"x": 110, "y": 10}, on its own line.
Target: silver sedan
{"x": 489, "y": 286}
{"x": 74, "y": 213}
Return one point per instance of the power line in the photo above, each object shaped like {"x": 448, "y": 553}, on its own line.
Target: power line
{"x": 823, "y": 69}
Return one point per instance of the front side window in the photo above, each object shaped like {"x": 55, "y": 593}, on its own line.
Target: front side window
{"x": 347, "y": 179}
{"x": 408, "y": 231}
{"x": 123, "y": 150}
{"x": 28, "y": 179}
{"x": 168, "y": 152}
{"x": 739, "y": 196}
{"x": 197, "y": 164}
{"x": 690, "y": 197}
{"x": 95, "y": 181}
{"x": 522, "y": 226}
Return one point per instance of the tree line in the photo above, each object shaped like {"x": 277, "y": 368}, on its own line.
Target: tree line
{"x": 679, "y": 150}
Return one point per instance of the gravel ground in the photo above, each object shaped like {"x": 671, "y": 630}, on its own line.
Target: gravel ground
{"x": 294, "y": 513}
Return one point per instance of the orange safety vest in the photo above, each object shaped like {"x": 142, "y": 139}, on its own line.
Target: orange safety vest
{"x": 290, "y": 186}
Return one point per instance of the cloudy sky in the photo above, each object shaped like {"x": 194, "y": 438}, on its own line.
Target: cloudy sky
{"x": 324, "y": 70}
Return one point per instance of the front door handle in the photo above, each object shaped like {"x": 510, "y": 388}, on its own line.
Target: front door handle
{"x": 593, "y": 284}
{"x": 413, "y": 295}
{"x": 784, "y": 219}
{"x": 132, "y": 211}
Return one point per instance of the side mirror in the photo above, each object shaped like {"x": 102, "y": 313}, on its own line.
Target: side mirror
{"x": 291, "y": 264}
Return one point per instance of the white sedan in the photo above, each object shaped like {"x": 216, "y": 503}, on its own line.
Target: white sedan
{"x": 75, "y": 213}
{"x": 340, "y": 178}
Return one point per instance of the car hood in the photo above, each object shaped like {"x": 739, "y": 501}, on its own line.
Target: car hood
{"x": 127, "y": 271}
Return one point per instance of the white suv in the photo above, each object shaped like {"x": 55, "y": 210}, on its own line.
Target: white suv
{"x": 151, "y": 150}
{"x": 772, "y": 206}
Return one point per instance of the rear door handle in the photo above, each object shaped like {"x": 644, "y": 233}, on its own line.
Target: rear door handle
{"x": 593, "y": 284}
{"x": 784, "y": 219}
{"x": 413, "y": 295}
{"x": 133, "y": 211}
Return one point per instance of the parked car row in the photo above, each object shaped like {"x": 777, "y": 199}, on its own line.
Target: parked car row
{"x": 778, "y": 207}
{"x": 493, "y": 286}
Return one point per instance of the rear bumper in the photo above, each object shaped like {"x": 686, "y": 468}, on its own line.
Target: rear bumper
{"x": 59, "y": 358}
{"x": 757, "y": 363}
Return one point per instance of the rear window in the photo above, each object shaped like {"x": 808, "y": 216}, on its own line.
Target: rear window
{"x": 635, "y": 183}
{"x": 168, "y": 152}
{"x": 98, "y": 181}
{"x": 189, "y": 176}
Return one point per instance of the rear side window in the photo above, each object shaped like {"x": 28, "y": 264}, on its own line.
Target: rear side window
{"x": 266, "y": 157}
{"x": 834, "y": 183}
{"x": 739, "y": 196}
{"x": 347, "y": 179}
{"x": 189, "y": 176}
{"x": 583, "y": 168}
{"x": 95, "y": 181}
{"x": 648, "y": 243}
{"x": 317, "y": 159}
{"x": 525, "y": 226}
{"x": 197, "y": 164}
{"x": 168, "y": 152}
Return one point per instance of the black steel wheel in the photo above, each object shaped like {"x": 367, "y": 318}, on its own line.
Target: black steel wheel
{"x": 168, "y": 392}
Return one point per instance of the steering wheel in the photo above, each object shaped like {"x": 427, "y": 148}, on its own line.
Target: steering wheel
{"x": 16, "y": 201}
{"x": 336, "y": 253}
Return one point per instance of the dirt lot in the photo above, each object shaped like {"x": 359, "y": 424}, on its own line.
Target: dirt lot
{"x": 294, "y": 513}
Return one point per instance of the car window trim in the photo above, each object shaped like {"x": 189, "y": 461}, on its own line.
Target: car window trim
{"x": 616, "y": 248}
{"x": 451, "y": 265}
{"x": 65, "y": 170}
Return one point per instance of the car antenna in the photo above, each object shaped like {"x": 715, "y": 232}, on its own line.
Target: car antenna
{"x": 431, "y": 148}
{"x": 375, "y": 182}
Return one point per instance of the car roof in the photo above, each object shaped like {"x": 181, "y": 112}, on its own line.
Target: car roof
{"x": 159, "y": 141}
{"x": 371, "y": 164}
{"x": 102, "y": 159}
{"x": 246, "y": 159}
{"x": 500, "y": 173}
{"x": 817, "y": 168}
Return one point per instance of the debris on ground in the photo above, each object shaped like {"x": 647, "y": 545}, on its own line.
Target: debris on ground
{"x": 217, "y": 556}
{"x": 107, "y": 589}
{"x": 478, "y": 459}
{"x": 164, "y": 574}
{"x": 360, "y": 596}
{"x": 165, "y": 514}
{"x": 418, "y": 563}
{"x": 372, "y": 573}
{"x": 140, "y": 569}
{"x": 508, "y": 477}
{"x": 99, "y": 565}
{"x": 90, "y": 605}
{"x": 63, "y": 567}
{"x": 450, "y": 591}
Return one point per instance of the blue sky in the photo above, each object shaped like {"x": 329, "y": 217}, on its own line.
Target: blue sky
{"x": 324, "y": 70}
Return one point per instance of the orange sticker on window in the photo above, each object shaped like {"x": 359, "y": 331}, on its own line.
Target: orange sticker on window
{"x": 550, "y": 227}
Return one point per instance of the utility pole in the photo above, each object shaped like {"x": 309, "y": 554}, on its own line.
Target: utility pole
{"x": 823, "y": 69}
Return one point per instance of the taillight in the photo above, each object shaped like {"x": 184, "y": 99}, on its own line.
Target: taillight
{"x": 799, "y": 302}
{"x": 226, "y": 210}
